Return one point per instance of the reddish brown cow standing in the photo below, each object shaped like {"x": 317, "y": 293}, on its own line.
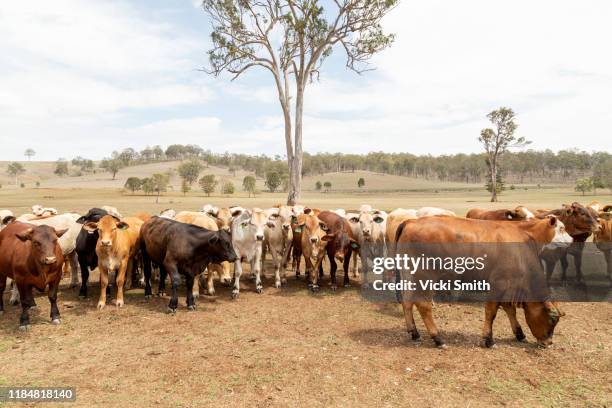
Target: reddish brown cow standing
{"x": 32, "y": 257}
{"x": 495, "y": 215}
{"x": 340, "y": 245}
{"x": 447, "y": 233}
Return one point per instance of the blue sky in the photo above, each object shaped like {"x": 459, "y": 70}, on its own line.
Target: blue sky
{"x": 85, "y": 77}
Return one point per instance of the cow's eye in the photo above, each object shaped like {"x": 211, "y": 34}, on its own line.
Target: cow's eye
{"x": 244, "y": 224}
{"x": 378, "y": 220}
{"x": 324, "y": 227}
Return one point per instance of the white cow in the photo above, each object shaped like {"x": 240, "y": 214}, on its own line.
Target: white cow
{"x": 5, "y": 217}
{"x": 278, "y": 237}
{"x": 247, "y": 238}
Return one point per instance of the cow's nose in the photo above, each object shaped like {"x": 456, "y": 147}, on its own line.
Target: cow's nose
{"x": 366, "y": 232}
{"x": 106, "y": 242}
{"x": 314, "y": 239}
{"x": 227, "y": 281}
{"x": 286, "y": 226}
{"x": 259, "y": 237}
{"x": 226, "y": 228}
{"x": 50, "y": 260}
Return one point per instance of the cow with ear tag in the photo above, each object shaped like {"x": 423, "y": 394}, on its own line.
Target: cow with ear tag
{"x": 247, "y": 239}
{"x": 32, "y": 257}
{"x": 117, "y": 247}
{"x": 278, "y": 237}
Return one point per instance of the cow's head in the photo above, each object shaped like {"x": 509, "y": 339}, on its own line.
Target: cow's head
{"x": 560, "y": 237}
{"x": 604, "y": 234}
{"x": 542, "y": 317}
{"x": 373, "y": 226}
{"x": 168, "y": 213}
{"x": 222, "y": 250}
{"x": 582, "y": 219}
{"x": 250, "y": 223}
{"x": 281, "y": 217}
{"x": 225, "y": 216}
{"x": 523, "y": 213}
{"x": 107, "y": 229}
{"x": 94, "y": 214}
{"x": 43, "y": 243}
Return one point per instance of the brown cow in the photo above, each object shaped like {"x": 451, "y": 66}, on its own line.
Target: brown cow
{"x": 117, "y": 247}
{"x": 541, "y": 317}
{"x": 496, "y": 215}
{"x": 311, "y": 232}
{"x": 32, "y": 257}
{"x": 340, "y": 245}
{"x": 580, "y": 222}
{"x": 603, "y": 237}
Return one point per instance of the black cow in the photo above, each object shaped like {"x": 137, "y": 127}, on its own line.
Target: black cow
{"x": 181, "y": 249}
{"x": 86, "y": 248}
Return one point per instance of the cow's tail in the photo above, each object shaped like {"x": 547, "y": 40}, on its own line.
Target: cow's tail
{"x": 146, "y": 266}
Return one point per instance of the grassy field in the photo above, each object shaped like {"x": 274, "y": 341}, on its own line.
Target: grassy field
{"x": 287, "y": 347}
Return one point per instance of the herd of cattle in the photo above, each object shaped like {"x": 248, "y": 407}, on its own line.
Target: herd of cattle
{"x": 36, "y": 249}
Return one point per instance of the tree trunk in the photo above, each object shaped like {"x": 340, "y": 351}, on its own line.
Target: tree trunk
{"x": 493, "y": 181}
{"x": 295, "y": 166}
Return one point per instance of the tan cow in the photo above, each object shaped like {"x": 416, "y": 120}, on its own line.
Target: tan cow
{"x": 603, "y": 237}
{"x": 117, "y": 246}
{"x": 312, "y": 244}
{"x": 223, "y": 270}
{"x": 395, "y": 218}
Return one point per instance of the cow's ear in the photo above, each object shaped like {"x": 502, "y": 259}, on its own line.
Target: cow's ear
{"x": 270, "y": 224}
{"x": 307, "y": 210}
{"x": 122, "y": 225}
{"x": 90, "y": 226}
{"x": 25, "y": 235}
{"x": 60, "y": 232}
{"x": 354, "y": 220}
{"x": 8, "y": 219}
{"x": 327, "y": 237}
{"x": 509, "y": 215}
{"x": 237, "y": 211}
{"x": 552, "y": 221}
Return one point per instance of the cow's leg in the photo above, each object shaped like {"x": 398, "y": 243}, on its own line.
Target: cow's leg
{"x": 256, "y": 266}
{"x": 409, "y": 317}
{"x": 277, "y": 268}
{"x": 487, "y": 329}
{"x": 333, "y": 267}
{"x": 175, "y": 278}
{"x": 27, "y": 301}
{"x": 146, "y": 266}
{"x": 355, "y": 271}
{"x": 74, "y": 269}
{"x": 564, "y": 265}
{"x": 578, "y": 263}
{"x": 608, "y": 257}
{"x": 345, "y": 267}
{"x": 550, "y": 268}
{"x": 129, "y": 274}
{"x": 237, "y": 274}
{"x": 52, "y": 294}
{"x": 309, "y": 270}
{"x": 161, "y": 288}
{"x": 2, "y": 287}
{"x": 189, "y": 281}
{"x": 121, "y": 275}
{"x": 210, "y": 281}
{"x": 14, "y": 300}
{"x": 103, "y": 286}
{"x": 84, "y": 278}
{"x": 195, "y": 287}
{"x": 425, "y": 310}
{"x": 296, "y": 256}
{"x": 314, "y": 276}
{"x": 516, "y": 327}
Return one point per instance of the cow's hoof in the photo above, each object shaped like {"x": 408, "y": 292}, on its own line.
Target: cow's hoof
{"x": 13, "y": 302}
{"x": 443, "y": 346}
{"x": 235, "y": 295}
{"x": 101, "y": 305}
{"x": 314, "y": 288}
{"x": 192, "y": 308}
{"x": 119, "y": 303}
{"x": 82, "y": 297}
{"x": 334, "y": 288}
{"x": 277, "y": 284}
{"x": 438, "y": 342}
{"x": 24, "y": 327}
{"x": 56, "y": 321}
{"x": 416, "y": 336}
{"x": 259, "y": 289}
{"x": 283, "y": 281}
{"x": 488, "y": 343}
{"x": 170, "y": 310}
{"x": 196, "y": 295}
{"x": 160, "y": 294}
{"x": 347, "y": 285}
{"x": 148, "y": 297}
{"x": 297, "y": 276}
{"x": 210, "y": 292}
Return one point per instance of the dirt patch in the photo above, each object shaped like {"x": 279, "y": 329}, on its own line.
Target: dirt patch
{"x": 287, "y": 347}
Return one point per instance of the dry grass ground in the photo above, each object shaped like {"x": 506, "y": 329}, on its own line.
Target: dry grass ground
{"x": 287, "y": 347}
